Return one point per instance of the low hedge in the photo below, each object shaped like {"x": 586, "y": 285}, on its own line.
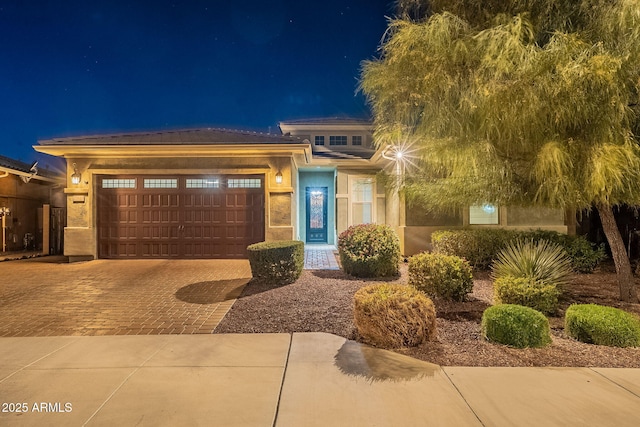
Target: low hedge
{"x": 393, "y": 316}
{"x": 369, "y": 250}
{"x": 527, "y": 292}
{"x": 277, "y": 263}
{"x": 601, "y": 325}
{"x": 481, "y": 246}
{"x": 516, "y": 326}
{"x": 478, "y": 246}
{"x": 442, "y": 276}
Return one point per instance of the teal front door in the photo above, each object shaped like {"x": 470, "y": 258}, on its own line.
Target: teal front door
{"x": 316, "y": 214}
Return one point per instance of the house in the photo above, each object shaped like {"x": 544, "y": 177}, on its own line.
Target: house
{"x": 208, "y": 193}
{"x": 31, "y": 207}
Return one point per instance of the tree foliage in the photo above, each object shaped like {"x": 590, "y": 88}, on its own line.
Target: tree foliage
{"x": 537, "y": 109}
{"x": 521, "y": 102}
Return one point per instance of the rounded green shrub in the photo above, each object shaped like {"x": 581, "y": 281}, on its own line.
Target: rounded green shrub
{"x": 527, "y": 292}
{"x": 277, "y": 263}
{"x": 369, "y": 250}
{"x": 478, "y": 246}
{"x": 443, "y": 276}
{"x": 542, "y": 261}
{"x": 601, "y": 325}
{"x": 393, "y": 316}
{"x": 516, "y": 326}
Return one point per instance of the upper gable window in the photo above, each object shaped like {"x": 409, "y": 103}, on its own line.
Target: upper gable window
{"x": 319, "y": 140}
{"x": 356, "y": 140}
{"x": 337, "y": 140}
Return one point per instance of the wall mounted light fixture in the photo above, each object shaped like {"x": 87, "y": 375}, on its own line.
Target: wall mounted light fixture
{"x": 76, "y": 177}
{"x": 279, "y": 178}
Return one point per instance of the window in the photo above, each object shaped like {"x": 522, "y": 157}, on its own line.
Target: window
{"x": 337, "y": 140}
{"x": 118, "y": 183}
{"x": 362, "y": 200}
{"x": 244, "y": 183}
{"x": 160, "y": 183}
{"x": 485, "y": 214}
{"x": 319, "y": 140}
{"x": 356, "y": 140}
{"x": 203, "y": 183}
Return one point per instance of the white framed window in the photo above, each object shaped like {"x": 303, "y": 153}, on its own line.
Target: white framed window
{"x": 486, "y": 214}
{"x": 319, "y": 140}
{"x": 356, "y": 140}
{"x": 203, "y": 183}
{"x": 244, "y": 183}
{"x": 161, "y": 183}
{"x": 362, "y": 195}
{"x": 118, "y": 183}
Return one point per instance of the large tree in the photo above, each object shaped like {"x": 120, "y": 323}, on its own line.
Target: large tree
{"x": 518, "y": 102}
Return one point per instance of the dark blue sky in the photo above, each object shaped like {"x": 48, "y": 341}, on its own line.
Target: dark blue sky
{"x": 75, "y": 67}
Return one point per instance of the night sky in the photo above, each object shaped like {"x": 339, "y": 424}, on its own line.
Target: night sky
{"x": 74, "y": 67}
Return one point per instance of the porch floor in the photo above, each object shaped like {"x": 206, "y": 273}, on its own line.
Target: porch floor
{"x": 320, "y": 257}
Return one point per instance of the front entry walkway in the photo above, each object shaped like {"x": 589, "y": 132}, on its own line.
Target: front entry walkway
{"x": 47, "y": 296}
{"x": 320, "y": 257}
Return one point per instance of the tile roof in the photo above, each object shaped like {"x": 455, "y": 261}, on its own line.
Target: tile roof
{"x": 172, "y": 137}
{"x": 324, "y": 152}
{"x": 17, "y": 165}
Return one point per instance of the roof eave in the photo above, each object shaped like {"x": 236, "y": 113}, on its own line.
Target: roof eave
{"x": 174, "y": 150}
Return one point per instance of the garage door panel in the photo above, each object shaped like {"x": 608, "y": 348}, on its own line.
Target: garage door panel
{"x": 179, "y": 221}
{"x": 159, "y": 250}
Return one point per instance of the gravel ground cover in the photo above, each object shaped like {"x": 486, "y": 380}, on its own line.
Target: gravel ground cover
{"x": 322, "y": 301}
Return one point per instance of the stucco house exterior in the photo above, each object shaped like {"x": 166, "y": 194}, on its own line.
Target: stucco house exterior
{"x": 31, "y": 207}
{"x": 208, "y": 193}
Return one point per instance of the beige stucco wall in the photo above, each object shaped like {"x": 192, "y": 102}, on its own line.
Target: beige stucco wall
{"x": 80, "y": 233}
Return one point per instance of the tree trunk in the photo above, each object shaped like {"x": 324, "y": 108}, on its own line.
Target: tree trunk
{"x": 619, "y": 253}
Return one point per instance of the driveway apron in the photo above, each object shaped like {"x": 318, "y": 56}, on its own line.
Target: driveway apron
{"x": 48, "y": 297}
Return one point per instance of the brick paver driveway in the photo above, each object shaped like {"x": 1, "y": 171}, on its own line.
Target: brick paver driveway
{"x": 46, "y": 296}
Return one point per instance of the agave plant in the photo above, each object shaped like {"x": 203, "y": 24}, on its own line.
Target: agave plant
{"x": 542, "y": 261}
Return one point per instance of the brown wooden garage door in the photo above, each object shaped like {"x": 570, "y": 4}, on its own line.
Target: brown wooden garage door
{"x": 179, "y": 216}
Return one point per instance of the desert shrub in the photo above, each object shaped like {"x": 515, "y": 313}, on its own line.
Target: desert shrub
{"x": 442, "y": 276}
{"x": 369, "y": 250}
{"x": 481, "y": 246}
{"x": 527, "y": 292}
{"x": 585, "y": 256}
{"x": 542, "y": 261}
{"x": 277, "y": 263}
{"x": 392, "y": 316}
{"x": 516, "y": 326}
{"x": 478, "y": 246}
{"x": 597, "y": 324}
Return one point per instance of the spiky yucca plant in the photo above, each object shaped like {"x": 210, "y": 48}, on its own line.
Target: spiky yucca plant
{"x": 542, "y": 261}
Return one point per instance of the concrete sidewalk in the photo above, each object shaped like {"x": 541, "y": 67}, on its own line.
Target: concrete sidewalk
{"x": 303, "y": 379}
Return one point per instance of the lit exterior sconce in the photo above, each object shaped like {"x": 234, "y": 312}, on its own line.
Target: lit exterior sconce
{"x": 76, "y": 177}
{"x": 279, "y": 178}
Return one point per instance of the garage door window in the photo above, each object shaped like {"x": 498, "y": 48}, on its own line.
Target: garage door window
{"x": 118, "y": 183}
{"x": 203, "y": 183}
{"x": 244, "y": 183}
{"x": 160, "y": 183}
